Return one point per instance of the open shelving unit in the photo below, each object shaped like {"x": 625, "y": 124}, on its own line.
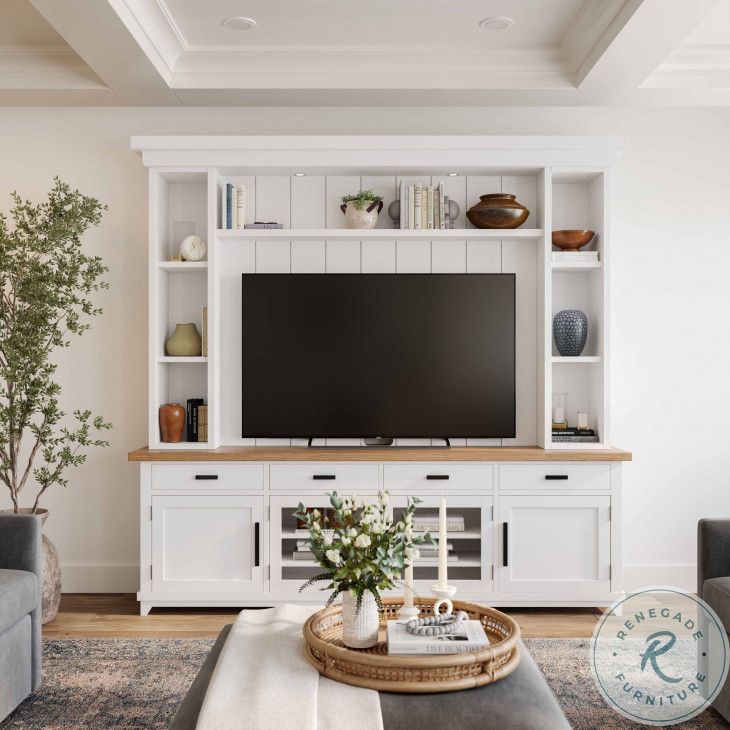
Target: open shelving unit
{"x": 563, "y": 186}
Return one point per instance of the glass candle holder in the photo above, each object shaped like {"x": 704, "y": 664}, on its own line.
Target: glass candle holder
{"x": 582, "y": 418}
{"x": 560, "y": 410}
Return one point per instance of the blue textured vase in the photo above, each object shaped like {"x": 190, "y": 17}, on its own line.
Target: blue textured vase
{"x": 570, "y": 330}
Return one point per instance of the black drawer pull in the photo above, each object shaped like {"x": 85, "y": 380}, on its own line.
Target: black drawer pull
{"x": 256, "y": 544}
{"x": 556, "y": 477}
{"x": 206, "y": 476}
{"x": 437, "y": 476}
{"x": 324, "y": 476}
{"x": 505, "y": 544}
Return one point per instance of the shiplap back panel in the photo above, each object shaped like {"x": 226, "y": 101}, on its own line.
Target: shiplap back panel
{"x": 313, "y": 202}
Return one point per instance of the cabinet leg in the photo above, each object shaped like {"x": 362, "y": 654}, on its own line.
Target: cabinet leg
{"x": 144, "y": 608}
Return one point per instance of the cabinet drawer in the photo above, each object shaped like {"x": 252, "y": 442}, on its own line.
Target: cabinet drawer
{"x": 323, "y": 476}
{"x": 207, "y": 476}
{"x": 438, "y": 476}
{"x": 595, "y": 477}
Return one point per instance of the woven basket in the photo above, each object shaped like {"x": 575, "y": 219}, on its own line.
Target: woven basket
{"x": 374, "y": 669}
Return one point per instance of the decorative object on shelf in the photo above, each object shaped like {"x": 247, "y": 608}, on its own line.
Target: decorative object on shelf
{"x": 394, "y": 212}
{"x": 180, "y": 231}
{"x": 408, "y": 610}
{"x": 560, "y": 410}
{"x": 497, "y": 210}
{"x": 373, "y": 668}
{"x": 363, "y": 555}
{"x": 422, "y": 207}
{"x": 570, "y": 331}
{"x": 193, "y": 248}
{"x": 240, "y": 219}
{"x": 204, "y": 333}
{"x": 582, "y": 256}
{"x": 442, "y": 589}
{"x": 440, "y": 624}
{"x": 257, "y": 225}
{"x": 572, "y": 240}
{"x": 50, "y": 283}
{"x": 233, "y": 206}
{"x": 185, "y": 341}
{"x": 192, "y": 419}
{"x": 172, "y": 422}
{"x": 453, "y": 210}
{"x": 582, "y": 421}
{"x": 361, "y": 210}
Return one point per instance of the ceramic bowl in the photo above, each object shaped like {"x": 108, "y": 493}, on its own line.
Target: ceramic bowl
{"x": 571, "y": 240}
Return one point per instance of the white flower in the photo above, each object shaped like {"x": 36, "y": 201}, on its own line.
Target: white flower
{"x": 327, "y": 540}
{"x": 352, "y": 532}
{"x": 362, "y": 541}
{"x": 384, "y": 498}
{"x": 345, "y": 541}
{"x": 315, "y": 526}
{"x": 412, "y": 553}
{"x": 347, "y": 512}
{"x": 366, "y": 519}
{"x": 333, "y": 556}
{"x": 376, "y": 528}
{"x": 408, "y": 519}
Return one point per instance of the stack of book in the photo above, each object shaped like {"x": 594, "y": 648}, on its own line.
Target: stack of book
{"x": 234, "y": 206}
{"x": 197, "y": 420}
{"x": 430, "y": 523}
{"x": 423, "y": 208}
{"x": 563, "y": 256}
{"x": 303, "y": 552}
{"x": 430, "y": 555}
{"x": 575, "y": 435}
{"x": 470, "y": 637}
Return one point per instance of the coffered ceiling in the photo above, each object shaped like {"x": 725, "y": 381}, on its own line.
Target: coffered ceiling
{"x": 384, "y": 52}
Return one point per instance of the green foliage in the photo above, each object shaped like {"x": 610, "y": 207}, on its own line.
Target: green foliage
{"x": 46, "y": 289}
{"x": 363, "y": 199}
{"x": 359, "y": 546}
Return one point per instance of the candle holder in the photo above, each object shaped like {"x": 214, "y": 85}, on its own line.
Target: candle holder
{"x": 406, "y": 613}
{"x": 444, "y": 595}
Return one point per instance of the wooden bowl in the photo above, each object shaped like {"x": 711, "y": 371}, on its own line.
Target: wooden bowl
{"x": 571, "y": 240}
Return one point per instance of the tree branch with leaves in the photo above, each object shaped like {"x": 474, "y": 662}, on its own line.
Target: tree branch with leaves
{"x": 47, "y": 284}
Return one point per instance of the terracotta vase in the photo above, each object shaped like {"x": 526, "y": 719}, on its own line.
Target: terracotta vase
{"x": 185, "y": 341}
{"x": 51, "y": 589}
{"x": 497, "y": 210}
{"x": 172, "y": 422}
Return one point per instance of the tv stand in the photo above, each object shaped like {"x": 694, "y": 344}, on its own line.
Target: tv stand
{"x": 381, "y": 441}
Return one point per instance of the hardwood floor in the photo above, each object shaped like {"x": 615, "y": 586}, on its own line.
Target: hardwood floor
{"x": 117, "y": 615}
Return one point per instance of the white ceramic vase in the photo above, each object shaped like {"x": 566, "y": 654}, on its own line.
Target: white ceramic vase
{"x": 359, "y": 628}
{"x": 365, "y": 217}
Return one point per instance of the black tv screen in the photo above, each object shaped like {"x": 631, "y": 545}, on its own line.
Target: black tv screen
{"x": 367, "y": 355}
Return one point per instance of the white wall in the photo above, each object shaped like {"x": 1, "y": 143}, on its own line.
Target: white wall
{"x": 671, "y": 305}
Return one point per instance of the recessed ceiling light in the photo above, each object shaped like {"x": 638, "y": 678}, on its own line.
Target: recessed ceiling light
{"x": 497, "y": 22}
{"x": 298, "y": 174}
{"x": 452, "y": 174}
{"x": 238, "y": 22}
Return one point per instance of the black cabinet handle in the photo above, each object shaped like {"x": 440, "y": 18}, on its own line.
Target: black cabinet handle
{"x": 206, "y": 476}
{"x": 256, "y": 544}
{"x": 556, "y": 477}
{"x": 324, "y": 476}
{"x": 437, "y": 476}
{"x": 505, "y": 544}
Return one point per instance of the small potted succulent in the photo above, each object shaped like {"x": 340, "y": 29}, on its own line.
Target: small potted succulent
{"x": 361, "y": 210}
{"x": 362, "y": 551}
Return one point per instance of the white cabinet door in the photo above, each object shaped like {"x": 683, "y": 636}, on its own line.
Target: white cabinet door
{"x": 211, "y": 544}
{"x": 554, "y": 544}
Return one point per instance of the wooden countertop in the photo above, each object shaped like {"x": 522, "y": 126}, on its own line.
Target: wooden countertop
{"x": 455, "y": 453}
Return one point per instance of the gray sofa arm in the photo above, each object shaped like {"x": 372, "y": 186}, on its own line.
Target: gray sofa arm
{"x": 713, "y": 551}
{"x": 20, "y": 549}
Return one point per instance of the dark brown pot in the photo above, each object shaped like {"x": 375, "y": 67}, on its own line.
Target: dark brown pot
{"x": 172, "y": 422}
{"x": 497, "y": 210}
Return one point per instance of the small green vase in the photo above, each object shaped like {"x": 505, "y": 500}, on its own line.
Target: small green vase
{"x": 185, "y": 341}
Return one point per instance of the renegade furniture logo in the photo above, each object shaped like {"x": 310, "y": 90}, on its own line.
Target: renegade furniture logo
{"x": 659, "y": 656}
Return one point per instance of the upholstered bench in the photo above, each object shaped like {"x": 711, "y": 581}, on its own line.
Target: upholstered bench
{"x": 522, "y": 700}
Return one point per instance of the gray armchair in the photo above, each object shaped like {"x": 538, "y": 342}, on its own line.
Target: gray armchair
{"x": 20, "y": 609}
{"x": 713, "y": 583}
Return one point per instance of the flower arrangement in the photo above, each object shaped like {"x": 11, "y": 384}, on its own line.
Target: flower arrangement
{"x": 359, "y": 545}
{"x": 362, "y": 199}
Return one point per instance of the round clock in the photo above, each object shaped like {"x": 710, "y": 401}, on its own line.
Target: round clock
{"x": 192, "y": 248}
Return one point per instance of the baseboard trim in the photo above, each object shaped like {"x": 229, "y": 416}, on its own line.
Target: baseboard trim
{"x": 638, "y": 575}
{"x": 100, "y": 578}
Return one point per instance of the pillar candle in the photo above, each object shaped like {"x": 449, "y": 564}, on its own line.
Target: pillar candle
{"x": 408, "y": 598}
{"x": 443, "y": 546}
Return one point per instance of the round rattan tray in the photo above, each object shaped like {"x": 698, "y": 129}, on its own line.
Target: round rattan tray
{"x": 374, "y": 669}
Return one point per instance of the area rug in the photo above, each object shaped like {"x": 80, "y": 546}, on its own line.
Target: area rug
{"x": 139, "y": 683}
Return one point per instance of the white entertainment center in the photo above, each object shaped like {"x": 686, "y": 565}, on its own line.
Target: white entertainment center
{"x": 542, "y": 520}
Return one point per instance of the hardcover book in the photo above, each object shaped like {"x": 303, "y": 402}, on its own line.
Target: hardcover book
{"x": 470, "y": 637}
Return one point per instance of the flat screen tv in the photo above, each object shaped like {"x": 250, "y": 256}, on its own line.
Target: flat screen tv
{"x": 378, "y": 355}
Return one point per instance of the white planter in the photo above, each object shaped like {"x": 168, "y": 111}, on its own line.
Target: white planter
{"x": 359, "y": 628}
{"x": 365, "y": 217}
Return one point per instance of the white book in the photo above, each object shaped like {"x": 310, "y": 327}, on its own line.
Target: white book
{"x": 441, "y": 206}
{"x": 411, "y": 206}
{"x": 418, "y": 205}
{"x": 471, "y": 637}
{"x": 575, "y": 255}
{"x": 302, "y": 532}
{"x": 427, "y": 561}
{"x": 429, "y": 211}
{"x": 403, "y": 206}
{"x": 223, "y": 207}
{"x": 302, "y": 556}
{"x": 234, "y": 208}
{"x": 240, "y": 206}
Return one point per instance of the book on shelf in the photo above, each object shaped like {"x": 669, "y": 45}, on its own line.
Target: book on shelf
{"x": 260, "y": 225}
{"x": 228, "y": 205}
{"x": 429, "y": 208}
{"x": 574, "y": 439}
{"x": 302, "y": 555}
{"x": 417, "y": 206}
{"x": 240, "y": 206}
{"x": 411, "y": 206}
{"x": 571, "y": 431}
{"x": 447, "y": 220}
{"x": 562, "y": 256}
{"x": 204, "y": 331}
{"x": 403, "y": 199}
{"x": 470, "y": 637}
{"x": 428, "y": 561}
{"x": 454, "y": 523}
{"x": 233, "y": 206}
{"x": 192, "y": 418}
{"x": 441, "y": 206}
{"x": 303, "y": 532}
{"x": 202, "y": 423}
{"x": 426, "y": 549}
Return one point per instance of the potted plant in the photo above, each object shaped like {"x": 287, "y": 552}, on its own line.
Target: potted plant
{"x": 46, "y": 289}
{"x": 361, "y": 210}
{"x": 362, "y": 552}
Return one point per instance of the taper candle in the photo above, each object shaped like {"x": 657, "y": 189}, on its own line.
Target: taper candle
{"x": 408, "y": 598}
{"x": 443, "y": 546}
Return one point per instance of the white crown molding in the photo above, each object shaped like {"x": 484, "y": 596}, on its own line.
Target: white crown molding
{"x": 693, "y": 66}
{"x": 45, "y": 67}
